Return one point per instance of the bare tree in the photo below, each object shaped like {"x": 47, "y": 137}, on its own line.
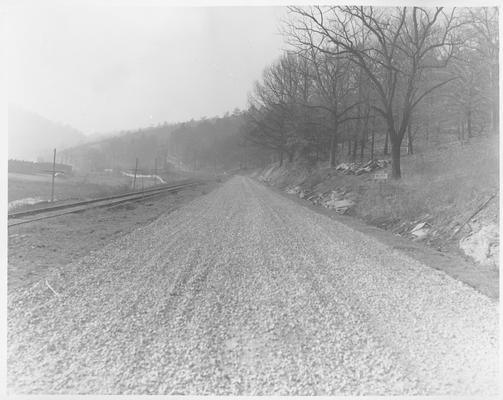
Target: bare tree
{"x": 265, "y": 127}
{"x": 335, "y": 92}
{"x": 466, "y": 95}
{"x": 401, "y": 45}
{"x": 277, "y": 117}
{"x": 484, "y": 40}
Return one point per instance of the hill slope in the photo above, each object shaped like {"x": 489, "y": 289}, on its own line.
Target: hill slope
{"x": 447, "y": 199}
{"x": 32, "y": 136}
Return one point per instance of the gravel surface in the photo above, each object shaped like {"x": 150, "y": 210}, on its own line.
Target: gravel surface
{"x": 36, "y": 248}
{"x": 245, "y": 292}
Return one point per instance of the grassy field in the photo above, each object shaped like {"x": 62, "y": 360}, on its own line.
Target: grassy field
{"x": 25, "y": 189}
{"x": 446, "y": 183}
{"x": 37, "y": 186}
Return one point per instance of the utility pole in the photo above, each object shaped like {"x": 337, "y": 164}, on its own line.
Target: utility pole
{"x": 135, "y": 170}
{"x": 155, "y": 171}
{"x": 53, "y": 175}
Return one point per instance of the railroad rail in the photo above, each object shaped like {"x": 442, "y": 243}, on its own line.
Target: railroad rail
{"x": 36, "y": 214}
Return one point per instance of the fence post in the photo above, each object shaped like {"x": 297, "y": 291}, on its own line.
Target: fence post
{"x": 135, "y": 170}
{"x": 53, "y": 175}
{"x": 155, "y": 171}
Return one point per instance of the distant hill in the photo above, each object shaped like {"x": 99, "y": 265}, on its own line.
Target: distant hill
{"x": 120, "y": 150}
{"x": 32, "y": 136}
{"x": 207, "y": 144}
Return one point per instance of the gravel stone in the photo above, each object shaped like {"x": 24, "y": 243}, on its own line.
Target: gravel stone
{"x": 242, "y": 291}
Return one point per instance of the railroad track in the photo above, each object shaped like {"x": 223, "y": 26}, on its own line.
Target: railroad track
{"x": 36, "y": 214}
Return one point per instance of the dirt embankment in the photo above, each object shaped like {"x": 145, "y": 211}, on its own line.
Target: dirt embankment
{"x": 448, "y": 197}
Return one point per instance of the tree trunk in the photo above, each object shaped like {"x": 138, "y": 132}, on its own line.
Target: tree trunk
{"x": 386, "y": 144}
{"x": 365, "y": 136}
{"x": 395, "y": 159}
{"x": 355, "y": 147}
{"x": 493, "y": 79}
{"x": 280, "y": 158}
{"x": 333, "y": 147}
{"x": 469, "y": 123}
{"x": 410, "y": 150}
{"x": 349, "y": 146}
{"x": 372, "y": 144}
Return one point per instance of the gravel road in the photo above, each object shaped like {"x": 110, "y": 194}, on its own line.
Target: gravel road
{"x": 242, "y": 291}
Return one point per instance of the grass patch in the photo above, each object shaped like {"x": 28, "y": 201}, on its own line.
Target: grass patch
{"x": 442, "y": 185}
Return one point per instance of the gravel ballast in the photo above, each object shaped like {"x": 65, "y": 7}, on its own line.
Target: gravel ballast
{"x": 242, "y": 291}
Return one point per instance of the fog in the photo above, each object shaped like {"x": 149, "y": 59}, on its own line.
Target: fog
{"x": 103, "y": 69}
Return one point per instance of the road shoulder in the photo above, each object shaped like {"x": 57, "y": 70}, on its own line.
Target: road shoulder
{"x": 484, "y": 280}
{"x": 37, "y": 248}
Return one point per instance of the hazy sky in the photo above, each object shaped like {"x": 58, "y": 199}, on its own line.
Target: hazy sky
{"x": 110, "y": 68}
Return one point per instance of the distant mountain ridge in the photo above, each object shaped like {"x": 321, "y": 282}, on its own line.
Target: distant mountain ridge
{"x": 208, "y": 144}
{"x": 33, "y": 137}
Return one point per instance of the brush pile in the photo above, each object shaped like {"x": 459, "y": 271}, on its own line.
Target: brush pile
{"x": 358, "y": 168}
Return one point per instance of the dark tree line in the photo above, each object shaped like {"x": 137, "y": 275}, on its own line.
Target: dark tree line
{"x": 119, "y": 152}
{"x": 213, "y": 144}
